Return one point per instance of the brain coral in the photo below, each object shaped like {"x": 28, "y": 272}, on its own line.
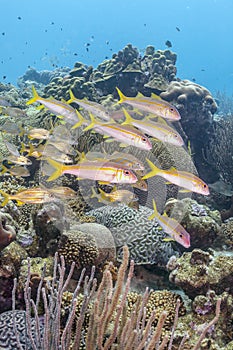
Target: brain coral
{"x": 143, "y": 237}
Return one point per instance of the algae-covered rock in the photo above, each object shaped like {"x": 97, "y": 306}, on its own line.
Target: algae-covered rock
{"x": 199, "y": 271}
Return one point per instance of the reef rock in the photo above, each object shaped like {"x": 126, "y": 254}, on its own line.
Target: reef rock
{"x": 199, "y": 271}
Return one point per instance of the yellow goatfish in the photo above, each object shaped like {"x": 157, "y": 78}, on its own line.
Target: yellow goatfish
{"x": 35, "y": 195}
{"x": 154, "y": 105}
{"x": 180, "y": 178}
{"x": 124, "y": 133}
{"x": 160, "y": 131}
{"x": 92, "y": 107}
{"x": 106, "y": 172}
{"x": 172, "y": 227}
{"x": 56, "y": 107}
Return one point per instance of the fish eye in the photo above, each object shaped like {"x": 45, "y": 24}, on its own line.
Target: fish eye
{"x": 172, "y": 110}
{"x": 181, "y": 236}
{"x": 144, "y": 139}
{"x": 126, "y": 172}
{"x": 204, "y": 186}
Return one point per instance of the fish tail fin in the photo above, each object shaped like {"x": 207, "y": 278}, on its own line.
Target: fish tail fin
{"x": 4, "y": 169}
{"x": 72, "y": 97}
{"x": 6, "y": 198}
{"x": 121, "y": 95}
{"x": 94, "y": 194}
{"x": 81, "y": 120}
{"x": 59, "y": 167}
{"x": 154, "y": 170}
{"x": 155, "y": 213}
{"x": 93, "y": 123}
{"x": 35, "y": 96}
{"x": 128, "y": 118}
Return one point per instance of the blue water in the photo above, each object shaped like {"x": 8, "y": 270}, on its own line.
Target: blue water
{"x": 46, "y": 34}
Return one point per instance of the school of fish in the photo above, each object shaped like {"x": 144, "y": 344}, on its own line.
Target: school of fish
{"x": 56, "y": 148}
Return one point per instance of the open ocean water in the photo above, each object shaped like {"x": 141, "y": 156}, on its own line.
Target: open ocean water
{"x": 50, "y": 34}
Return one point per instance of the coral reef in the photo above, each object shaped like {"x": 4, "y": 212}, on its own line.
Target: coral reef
{"x": 143, "y": 238}
{"x": 7, "y": 232}
{"x": 199, "y": 271}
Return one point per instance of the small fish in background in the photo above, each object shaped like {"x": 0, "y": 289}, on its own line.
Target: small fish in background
{"x": 17, "y": 171}
{"x": 13, "y": 112}
{"x": 4, "y": 102}
{"x": 180, "y": 178}
{"x": 12, "y": 128}
{"x": 34, "y": 195}
{"x": 154, "y": 105}
{"x": 168, "y": 43}
{"x": 178, "y": 29}
{"x": 172, "y": 227}
{"x": 19, "y": 160}
{"x": 38, "y": 133}
{"x": 62, "y": 192}
{"x": 121, "y": 196}
{"x": 222, "y": 187}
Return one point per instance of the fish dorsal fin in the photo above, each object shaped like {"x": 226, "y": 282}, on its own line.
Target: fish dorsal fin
{"x": 173, "y": 169}
{"x": 139, "y": 94}
{"x": 155, "y": 96}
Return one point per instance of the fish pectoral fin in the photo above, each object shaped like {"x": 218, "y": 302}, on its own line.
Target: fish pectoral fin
{"x": 184, "y": 191}
{"x": 168, "y": 239}
{"x": 19, "y": 203}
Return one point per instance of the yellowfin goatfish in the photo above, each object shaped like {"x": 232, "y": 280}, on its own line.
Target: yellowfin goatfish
{"x": 122, "y": 196}
{"x": 154, "y": 105}
{"x": 38, "y": 133}
{"x": 92, "y": 107}
{"x": 180, "y": 178}
{"x": 56, "y": 107}
{"x": 124, "y": 133}
{"x": 160, "y": 131}
{"x": 35, "y": 195}
{"x": 106, "y": 172}
{"x": 171, "y": 227}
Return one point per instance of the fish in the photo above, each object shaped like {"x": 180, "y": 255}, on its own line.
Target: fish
{"x": 140, "y": 184}
{"x": 222, "y": 187}
{"x": 18, "y": 171}
{"x": 168, "y": 43}
{"x": 12, "y": 128}
{"x": 180, "y": 178}
{"x": 13, "y": 112}
{"x": 56, "y": 107}
{"x": 106, "y": 172}
{"x": 93, "y": 107}
{"x": 172, "y": 227}
{"x": 126, "y": 134}
{"x": 122, "y": 196}
{"x": 19, "y": 160}
{"x": 160, "y": 131}
{"x": 126, "y": 159}
{"x": 38, "y": 133}
{"x": 4, "y": 102}
{"x": 154, "y": 105}
{"x": 34, "y": 195}
{"x": 62, "y": 192}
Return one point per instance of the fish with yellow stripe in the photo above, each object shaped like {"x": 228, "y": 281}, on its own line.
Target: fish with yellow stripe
{"x": 57, "y": 107}
{"x": 127, "y": 135}
{"x": 160, "y": 131}
{"x": 172, "y": 227}
{"x": 105, "y": 172}
{"x": 35, "y": 195}
{"x": 180, "y": 178}
{"x": 154, "y": 105}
